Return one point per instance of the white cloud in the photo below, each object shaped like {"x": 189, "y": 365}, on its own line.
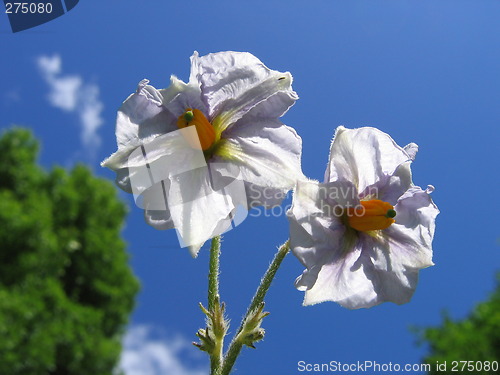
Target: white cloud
{"x": 145, "y": 355}
{"x": 71, "y": 94}
{"x": 50, "y": 65}
{"x": 90, "y": 115}
{"x": 64, "y": 92}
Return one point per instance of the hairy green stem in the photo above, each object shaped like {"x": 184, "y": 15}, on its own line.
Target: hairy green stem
{"x": 265, "y": 283}
{"x": 213, "y": 272}
{"x": 213, "y": 299}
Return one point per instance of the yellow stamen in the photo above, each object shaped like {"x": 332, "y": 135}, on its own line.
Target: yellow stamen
{"x": 204, "y": 128}
{"x": 373, "y": 215}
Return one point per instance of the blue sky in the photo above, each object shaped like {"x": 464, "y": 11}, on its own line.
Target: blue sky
{"x": 423, "y": 71}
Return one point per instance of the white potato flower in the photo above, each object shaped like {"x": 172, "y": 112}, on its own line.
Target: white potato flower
{"x": 196, "y": 139}
{"x": 363, "y": 234}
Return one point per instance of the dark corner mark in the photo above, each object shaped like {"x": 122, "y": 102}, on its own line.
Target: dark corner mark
{"x": 25, "y": 14}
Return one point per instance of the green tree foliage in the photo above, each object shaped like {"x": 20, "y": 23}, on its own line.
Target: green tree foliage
{"x": 66, "y": 289}
{"x": 475, "y": 339}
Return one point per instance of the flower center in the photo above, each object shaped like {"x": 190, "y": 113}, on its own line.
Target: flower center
{"x": 371, "y": 215}
{"x": 205, "y": 130}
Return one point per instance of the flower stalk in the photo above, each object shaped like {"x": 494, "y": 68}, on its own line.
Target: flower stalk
{"x": 212, "y": 336}
{"x": 250, "y": 324}
{"x": 214, "y": 305}
{"x": 213, "y": 272}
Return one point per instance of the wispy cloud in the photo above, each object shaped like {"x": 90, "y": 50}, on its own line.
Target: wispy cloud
{"x": 144, "y": 354}
{"x": 71, "y": 94}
